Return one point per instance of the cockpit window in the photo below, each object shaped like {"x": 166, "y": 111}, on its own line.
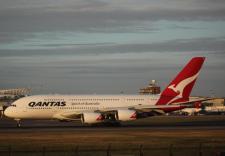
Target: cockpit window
{"x": 13, "y": 105}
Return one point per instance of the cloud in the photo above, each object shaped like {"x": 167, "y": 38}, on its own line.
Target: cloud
{"x": 21, "y": 17}
{"x": 25, "y": 16}
{"x": 215, "y": 45}
{"x": 178, "y": 45}
{"x": 8, "y": 37}
{"x": 39, "y": 43}
{"x": 195, "y": 44}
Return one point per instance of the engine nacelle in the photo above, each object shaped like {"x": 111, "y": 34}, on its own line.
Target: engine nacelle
{"x": 126, "y": 115}
{"x": 92, "y": 118}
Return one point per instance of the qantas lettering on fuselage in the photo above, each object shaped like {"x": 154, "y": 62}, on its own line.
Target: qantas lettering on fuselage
{"x": 46, "y": 104}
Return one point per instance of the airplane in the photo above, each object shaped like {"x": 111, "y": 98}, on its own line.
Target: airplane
{"x": 94, "y": 109}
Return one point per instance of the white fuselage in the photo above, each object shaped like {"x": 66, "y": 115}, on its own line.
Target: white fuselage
{"x": 98, "y": 108}
{"x": 48, "y": 106}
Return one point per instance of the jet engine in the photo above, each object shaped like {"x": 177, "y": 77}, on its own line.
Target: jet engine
{"x": 126, "y": 115}
{"x": 92, "y": 118}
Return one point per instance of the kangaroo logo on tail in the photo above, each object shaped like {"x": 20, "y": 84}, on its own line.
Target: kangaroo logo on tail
{"x": 180, "y": 88}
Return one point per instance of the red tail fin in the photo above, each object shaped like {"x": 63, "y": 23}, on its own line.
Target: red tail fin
{"x": 180, "y": 88}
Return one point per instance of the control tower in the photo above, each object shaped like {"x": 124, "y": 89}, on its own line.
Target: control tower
{"x": 152, "y": 88}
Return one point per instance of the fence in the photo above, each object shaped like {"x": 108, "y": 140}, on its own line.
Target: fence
{"x": 110, "y": 150}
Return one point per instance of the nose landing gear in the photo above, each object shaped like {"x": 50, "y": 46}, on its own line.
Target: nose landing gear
{"x": 18, "y": 123}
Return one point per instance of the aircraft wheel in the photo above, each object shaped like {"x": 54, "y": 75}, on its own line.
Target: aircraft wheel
{"x": 18, "y": 124}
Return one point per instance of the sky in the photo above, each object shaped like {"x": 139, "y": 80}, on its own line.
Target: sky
{"x": 108, "y": 47}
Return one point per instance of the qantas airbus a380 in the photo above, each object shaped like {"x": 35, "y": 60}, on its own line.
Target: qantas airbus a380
{"x": 93, "y": 109}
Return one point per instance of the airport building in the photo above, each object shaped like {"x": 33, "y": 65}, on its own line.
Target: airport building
{"x": 7, "y": 96}
{"x": 215, "y": 106}
{"x": 216, "y": 102}
{"x": 16, "y": 91}
{"x": 152, "y": 88}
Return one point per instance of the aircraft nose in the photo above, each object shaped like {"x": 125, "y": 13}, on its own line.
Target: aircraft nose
{"x": 9, "y": 112}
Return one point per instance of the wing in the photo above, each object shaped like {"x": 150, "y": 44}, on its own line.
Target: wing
{"x": 68, "y": 116}
{"x": 141, "y": 108}
{"x": 191, "y": 102}
{"x": 162, "y": 109}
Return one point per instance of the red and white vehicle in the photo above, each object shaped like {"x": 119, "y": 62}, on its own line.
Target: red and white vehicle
{"x": 110, "y": 108}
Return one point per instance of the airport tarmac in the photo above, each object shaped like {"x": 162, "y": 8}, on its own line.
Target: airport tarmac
{"x": 156, "y": 130}
{"x": 152, "y": 122}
